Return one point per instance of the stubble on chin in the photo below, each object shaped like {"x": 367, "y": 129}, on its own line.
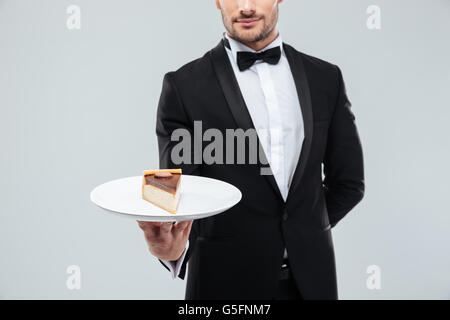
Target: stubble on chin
{"x": 251, "y": 36}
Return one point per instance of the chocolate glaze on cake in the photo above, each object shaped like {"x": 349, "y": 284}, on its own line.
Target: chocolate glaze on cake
{"x": 168, "y": 184}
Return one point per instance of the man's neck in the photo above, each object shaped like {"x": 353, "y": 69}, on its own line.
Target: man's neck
{"x": 259, "y": 45}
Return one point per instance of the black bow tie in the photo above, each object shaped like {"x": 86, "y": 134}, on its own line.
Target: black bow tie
{"x": 246, "y": 59}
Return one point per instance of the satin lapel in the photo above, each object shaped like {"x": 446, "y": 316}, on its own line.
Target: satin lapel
{"x": 233, "y": 95}
{"x": 304, "y": 95}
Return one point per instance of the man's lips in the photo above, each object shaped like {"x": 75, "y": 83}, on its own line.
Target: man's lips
{"x": 248, "y": 22}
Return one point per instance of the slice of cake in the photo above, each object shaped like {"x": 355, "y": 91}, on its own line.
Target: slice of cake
{"x": 161, "y": 187}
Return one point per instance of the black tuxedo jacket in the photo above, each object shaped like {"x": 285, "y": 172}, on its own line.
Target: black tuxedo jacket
{"x": 238, "y": 254}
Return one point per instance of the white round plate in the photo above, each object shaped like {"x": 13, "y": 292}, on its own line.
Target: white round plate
{"x": 200, "y": 198}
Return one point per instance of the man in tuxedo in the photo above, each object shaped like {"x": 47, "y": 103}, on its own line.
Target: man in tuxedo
{"x": 276, "y": 243}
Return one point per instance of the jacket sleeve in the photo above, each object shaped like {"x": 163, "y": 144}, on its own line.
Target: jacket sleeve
{"x": 171, "y": 115}
{"x": 343, "y": 161}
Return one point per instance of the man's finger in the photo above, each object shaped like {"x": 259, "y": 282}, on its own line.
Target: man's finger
{"x": 180, "y": 226}
{"x": 166, "y": 227}
{"x": 146, "y": 225}
{"x": 187, "y": 229}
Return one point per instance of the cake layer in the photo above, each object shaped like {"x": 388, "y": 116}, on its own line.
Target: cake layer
{"x": 160, "y": 198}
{"x": 168, "y": 184}
{"x": 160, "y": 170}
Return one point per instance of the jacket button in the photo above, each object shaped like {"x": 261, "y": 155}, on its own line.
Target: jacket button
{"x": 285, "y": 215}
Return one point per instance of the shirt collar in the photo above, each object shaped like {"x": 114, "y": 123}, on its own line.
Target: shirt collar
{"x": 237, "y": 46}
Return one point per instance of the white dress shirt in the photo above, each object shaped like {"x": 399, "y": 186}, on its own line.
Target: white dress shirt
{"x": 271, "y": 97}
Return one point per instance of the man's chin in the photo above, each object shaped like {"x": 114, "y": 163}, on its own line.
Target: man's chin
{"x": 248, "y": 35}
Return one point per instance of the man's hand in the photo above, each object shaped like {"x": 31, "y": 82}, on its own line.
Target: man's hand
{"x": 166, "y": 240}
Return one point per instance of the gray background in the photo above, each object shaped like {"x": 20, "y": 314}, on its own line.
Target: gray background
{"x": 78, "y": 109}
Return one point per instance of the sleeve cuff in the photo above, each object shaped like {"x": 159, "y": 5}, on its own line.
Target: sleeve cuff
{"x": 175, "y": 266}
